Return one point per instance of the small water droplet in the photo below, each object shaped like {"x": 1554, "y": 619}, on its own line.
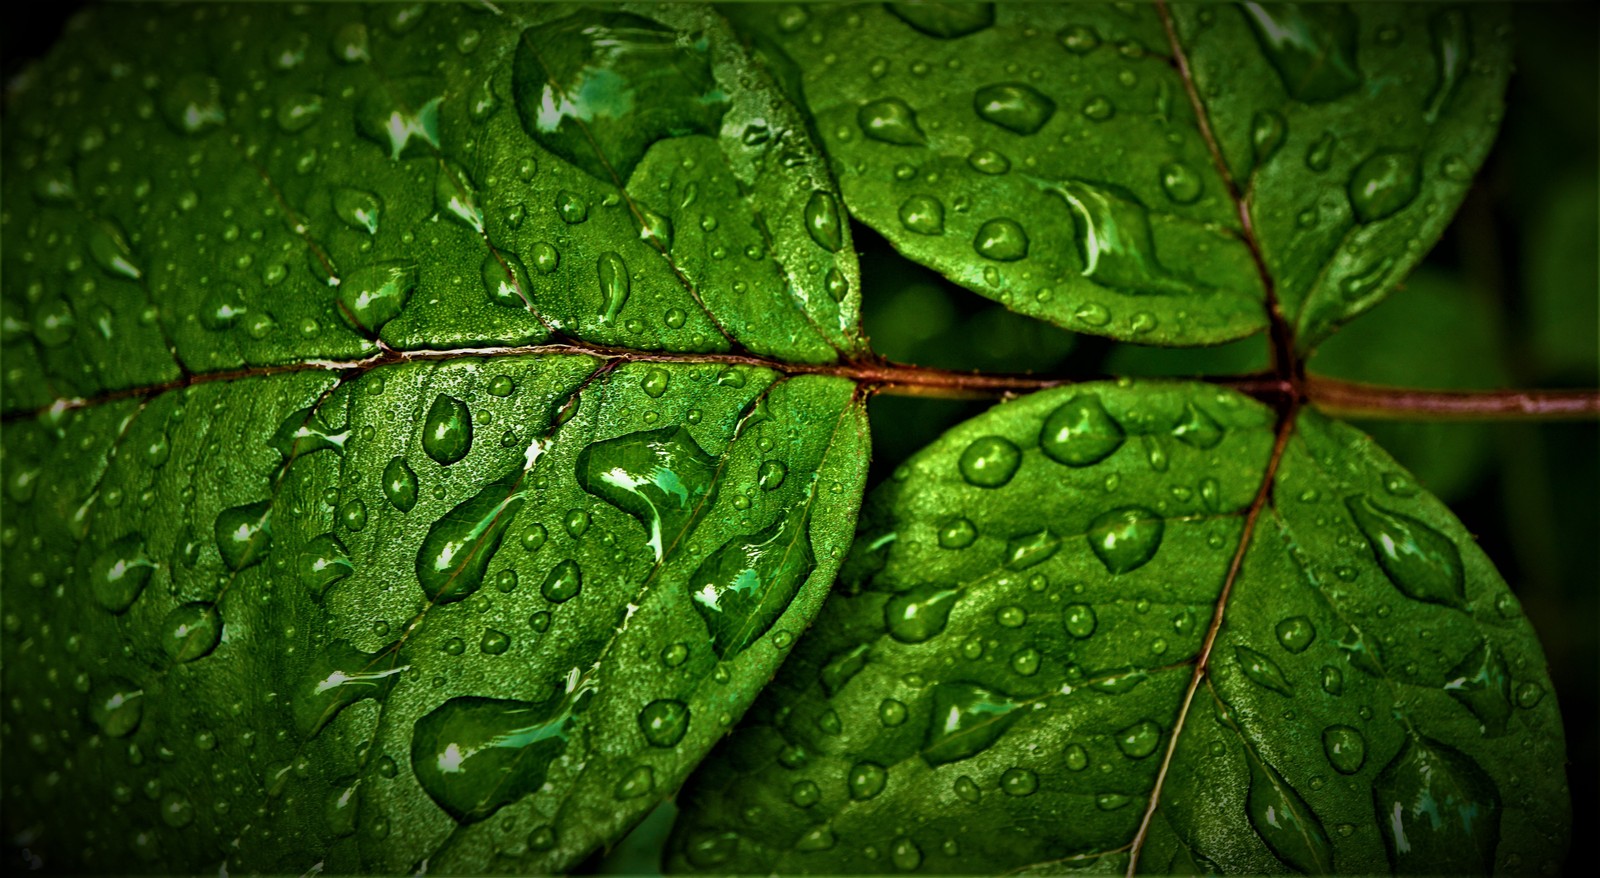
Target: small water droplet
{"x": 920, "y": 614}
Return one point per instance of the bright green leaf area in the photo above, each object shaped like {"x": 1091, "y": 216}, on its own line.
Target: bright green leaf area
{"x": 998, "y": 682}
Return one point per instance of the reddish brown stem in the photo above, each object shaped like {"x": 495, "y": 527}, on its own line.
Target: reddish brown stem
{"x": 1353, "y": 400}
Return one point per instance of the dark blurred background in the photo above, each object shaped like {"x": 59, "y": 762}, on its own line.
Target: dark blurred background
{"x": 1509, "y": 298}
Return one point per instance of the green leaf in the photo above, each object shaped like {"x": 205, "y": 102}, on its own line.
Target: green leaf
{"x": 1020, "y": 651}
{"x": 389, "y": 483}
{"x": 1052, "y": 158}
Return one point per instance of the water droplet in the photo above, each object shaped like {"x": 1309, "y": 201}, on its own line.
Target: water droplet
{"x": 244, "y": 534}
{"x": 1002, "y": 240}
{"x": 1079, "y": 39}
{"x": 1529, "y": 695}
{"x": 1319, "y": 155}
{"x": 1420, "y": 561}
{"x": 1027, "y": 550}
{"x": 1332, "y": 680}
{"x": 322, "y": 562}
{"x": 298, "y": 110}
{"x": 494, "y": 642}
{"x": 1126, "y": 538}
{"x": 400, "y": 484}
{"x": 358, "y": 209}
{"x": 966, "y": 720}
{"x": 303, "y": 432}
{"x": 1098, "y": 108}
{"x": 1198, "y": 429}
{"x": 1139, "y": 740}
{"x": 745, "y": 585}
{"x": 842, "y": 667}
{"x": 116, "y": 706}
{"x": 1313, "y": 48}
{"x": 987, "y": 161}
{"x": 447, "y": 430}
{"x": 1451, "y": 53}
{"x": 1383, "y": 184}
{"x": 866, "y": 780}
{"x": 957, "y": 533}
{"x": 1296, "y": 633}
{"x": 1267, "y": 132}
{"x": 990, "y": 461}
{"x": 562, "y": 583}
{"x": 1437, "y": 809}
{"x": 1345, "y": 748}
{"x": 1079, "y": 620}
{"x": 533, "y": 538}
{"x": 818, "y": 838}
{"x": 664, "y": 722}
{"x": 890, "y": 120}
{"x": 1180, "y": 182}
{"x": 1080, "y": 432}
{"x": 402, "y": 126}
{"x": 1076, "y": 758}
{"x": 1284, "y": 820}
{"x": 1019, "y": 782}
{"x": 661, "y": 477}
{"x": 837, "y": 284}
{"x": 505, "y": 280}
{"x": 191, "y": 631}
{"x": 1481, "y": 682}
{"x": 119, "y": 573}
{"x": 922, "y": 214}
{"x": 614, "y": 285}
{"x": 108, "y": 247}
{"x": 341, "y": 675}
{"x": 823, "y": 222}
{"x": 193, "y": 104}
{"x": 475, "y": 755}
{"x": 1261, "y": 670}
{"x": 1112, "y": 231}
{"x": 599, "y": 87}
{"x": 920, "y": 614}
{"x": 945, "y": 21}
{"x": 1014, "y": 106}
{"x": 454, "y": 556}
{"x": 770, "y": 475}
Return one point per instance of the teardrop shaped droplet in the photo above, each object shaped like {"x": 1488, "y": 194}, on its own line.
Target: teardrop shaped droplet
{"x": 1481, "y": 682}
{"x": 116, "y": 706}
{"x": 191, "y": 631}
{"x": 1313, "y": 48}
{"x": 1438, "y": 811}
{"x": 920, "y": 614}
{"x": 890, "y": 120}
{"x": 1014, "y": 106}
{"x": 372, "y": 295}
{"x": 664, "y": 722}
{"x": 1002, "y": 240}
{"x": 1451, "y": 54}
{"x": 1261, "y": 670}
{"x": 745, "y": 585}
{"x": 303, "y": 432}
{"x": 1420, "y": 561}
{"x": 447, "y": 430}
{"x": 823, "y": 222}
{"x": 563, "y": 583}
{"x": 1345, "y": 747}
{"x": 1126, "y": 538}
{"x": 966, "y": 720}
{"x": 505, "y": 281}
{"x": 109, "y": 249}
{"x": 989, "y": 461}
{"x": 614, "y": 285}
{"x": 1027, "y": 550}
{"x": 455, "y": 554}
{"x": 1115, "y": 243}
{"x": 1080, "y": 432}
{"x": 193, "y": 104}
{"x": 338, "y": 676}
{"x": 454, "y": 196}
{"x": 922, "y": 214}
{"x": 1197, "y": 429}
{"x": 1180, "y": 182}
{"x": 400, "y": 484}
{"x": 357, "y": 208}
{"x": 1284, "y": 820}
{"x": 770, "y": 475}
{"x": 1139, "y": 740}
{"x": 1383, "y": 184}
{"x": 661, "y": 477}
{"x": 322, "y": 562}
{"x": 119, "y": 573}
{"x": 866, "y": 780}
{"x": 1267, "y": 132}
{"x": 244, "y": 534}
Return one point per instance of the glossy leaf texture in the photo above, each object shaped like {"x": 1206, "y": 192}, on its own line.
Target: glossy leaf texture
{"x": 367, "y": 504}
{"x": 999, "y": 678}
{"x": 1067, "y": 162}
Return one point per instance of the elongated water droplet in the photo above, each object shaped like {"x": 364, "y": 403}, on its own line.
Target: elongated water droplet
{"x": 1027, "y": 550}
{"x": 1080, "y": 432}
{"x": 341, "y": 675}
{"x": 945, "y": 21}
{"x": 1313, "y": 48}
{"x": 474, "y": 755}
{"x": 505, "y": 281}
{"x": 990, "y": 461}
{"x": 1284, "y": 820}
{"x": 116, "y": 706}
{"x": 1267, "y": 132}
{"x": 1198, "y": 429}
{"x": 1345, "y": 748}
{"x": 1420, "y": 561}
{"x": 822, "y": 221}
{"x": 842, "y": 667}
{"x": 917, "y": 615}
{"x": 400, "y": 484}
{"x": 358, "y": 209}
{"x": 322, "y": 562}
{"x": 614, "y": 285}
{"x": 455, "y": 554}
{"x": 1383, "y": 184}
{"x": 661, "y": 477}
{"x": 244, "y": 534}
{"x": 966, "y": 719}
{"x": 119, "y": 573}
{"x": 1002, "y": 240}
{"x": 1481, "y": 681}
{"x": 1451, "y": 54}
{"x": 890, "y": 120}
{"x": 922, "y": 214}
{"x": 191, "y": 631}
{"x": 108, "y": 247}
{"x": 1126, "y": 538}
{"x": 1119, "y": 681}
{"x": 303, "y": 433}
{"x": 447, "y": 430}
{"x": 1115, "y": 244}
{"x": 1014, "y": 106}
{"x": 1438, "y": 811}
{"x": 1261, "y": 670}
{"x": 743, "y": 587}
{"x": 599, "y": 87}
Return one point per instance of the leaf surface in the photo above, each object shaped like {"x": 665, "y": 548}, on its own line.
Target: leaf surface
{"x": 388, "y": 482}
{"x": 999, "y": 681}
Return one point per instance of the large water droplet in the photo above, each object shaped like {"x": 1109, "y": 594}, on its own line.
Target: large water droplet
{"x": 1284, "y": 820}
{"x": 116, "y": 706}
{"x": 1139, "y": 740}
{"x": 474, "y": 755}
{"x": 1383, "y": 184}
{"x": 454, "y": 196}
{"x": 244, "y": 534}
{"x": 743, "y": 587}
{"x": 966, "y": 719}
{"x": 108, "y": 247}
{"x": 447, "y": 430}
{"x": 1345, "y": 748}
{"x": 917, "y": 615}
{"x": 340, "y": 675}
{"x": 191, "y": 631}
{"x": 890, "y": 120}
{"x": 1296, "y": 633}
{"x": 664, "y": 722}
{"x": 1079, "y": 620}
{"x": 1126, "y": 538}
{"x": 1451, "y": 53}
{"x": 455, "y": 554}
{"x": 322, "y": 562}
{"x": 1112, "y": 231}
{"x": 505, "y": 281}
{"x": 400, "y": 484}
{"x": 614, "y": 285}
{"x": 303, "y": 432}
{"x": 866, "y": 780}
{"x": 1002, "y": 240}
{"x": 1197, "y": 429}
{"x": 1313, "y": 48}
{"x": 823, "y": 222}
{"x": 990, "y": 461}
{"x": 599, "y": 87}
{"x": 1420, "y": 561}
{"x": 1080, "y": 432}
{"x": 661, "y": 477}
{"x": 563, "y": 583}
{"x": 1014, "y": 106}
{"x": 922, "y": 214}
{"x": 1481, "y": 681}
{"x": 843, "y": 666}
{"x": 358, "y": 209}
{"x": 1027, "y": 550}
{"x": 403, "y": 118}
{"x": 119, "y": 573}
{"x": 945, "y": 21}
{"x": 1438, "y": 811}
{"x": 1261, "y": 670}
